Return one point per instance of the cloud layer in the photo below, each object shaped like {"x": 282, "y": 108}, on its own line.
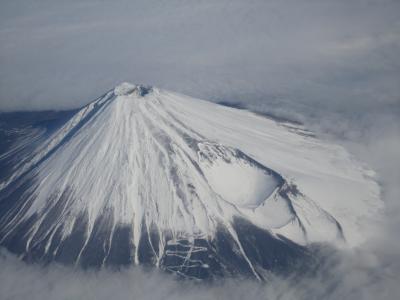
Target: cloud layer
{"x": 334, "y": 54}
{"x": 345, "y": 276}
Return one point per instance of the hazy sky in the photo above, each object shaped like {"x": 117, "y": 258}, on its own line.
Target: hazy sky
{"x": 335, "y": 65}
{"x": 62, "y": 54}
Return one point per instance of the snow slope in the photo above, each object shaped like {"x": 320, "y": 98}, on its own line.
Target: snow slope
{"x": 140, "y": 161}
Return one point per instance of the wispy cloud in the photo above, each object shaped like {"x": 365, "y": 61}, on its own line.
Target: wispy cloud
{"x": 356, "y": 275}
{"x": 325, "y": 53}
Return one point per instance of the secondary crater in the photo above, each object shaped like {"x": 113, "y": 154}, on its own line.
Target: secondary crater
{"x": 236, "y": 177}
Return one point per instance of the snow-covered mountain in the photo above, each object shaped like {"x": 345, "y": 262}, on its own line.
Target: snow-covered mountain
{"x": 147, "y": 176}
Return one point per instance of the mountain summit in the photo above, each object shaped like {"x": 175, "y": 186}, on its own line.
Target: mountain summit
{"x": 147, "y": 176}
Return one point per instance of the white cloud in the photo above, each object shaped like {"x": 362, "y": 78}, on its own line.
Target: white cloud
{"x": 61, "y": 55}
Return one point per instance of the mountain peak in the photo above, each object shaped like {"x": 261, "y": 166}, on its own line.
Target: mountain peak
{"x": 126, "y": 88}
{"x": 189, "y": 186}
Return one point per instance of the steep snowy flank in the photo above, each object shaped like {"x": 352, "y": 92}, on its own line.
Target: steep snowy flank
{"x": 143, "y": 175}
